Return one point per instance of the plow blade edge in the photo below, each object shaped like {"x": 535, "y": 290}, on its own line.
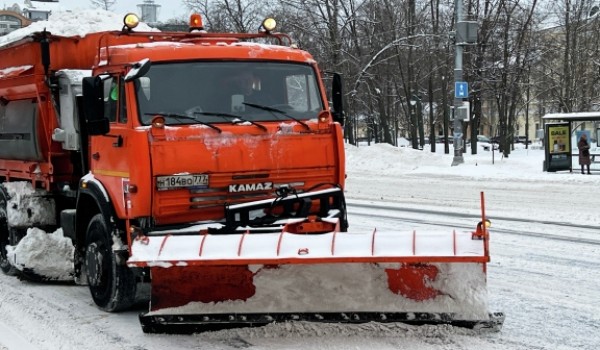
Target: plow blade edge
{"x": 187, "y": 324}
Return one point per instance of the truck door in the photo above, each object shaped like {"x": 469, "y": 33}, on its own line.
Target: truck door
{"x": 109, "y": 156}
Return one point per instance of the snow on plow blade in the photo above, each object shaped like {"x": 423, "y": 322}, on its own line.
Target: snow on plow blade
{"x": 206, "y": 281}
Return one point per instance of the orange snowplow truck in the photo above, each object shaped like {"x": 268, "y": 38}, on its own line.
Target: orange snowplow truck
{"x": 209, "y": 167}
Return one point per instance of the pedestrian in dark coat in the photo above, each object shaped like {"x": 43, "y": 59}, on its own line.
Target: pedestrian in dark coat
{"x": 584, "y": 153}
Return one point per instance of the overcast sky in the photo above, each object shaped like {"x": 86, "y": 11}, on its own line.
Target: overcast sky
{"x": 167, "y": 10}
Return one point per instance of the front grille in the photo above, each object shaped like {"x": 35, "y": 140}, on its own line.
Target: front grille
{"x": 184, "y": 205}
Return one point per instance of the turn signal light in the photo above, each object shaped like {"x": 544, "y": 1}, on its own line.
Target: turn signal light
{"x": 324, "y": 117}
{"x": 158, "y": 122}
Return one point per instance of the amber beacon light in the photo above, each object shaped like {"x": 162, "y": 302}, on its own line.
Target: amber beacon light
{"x": 196, "y": 22}
{"x": 131, "y": 20}
{"x": 269, "y": 24}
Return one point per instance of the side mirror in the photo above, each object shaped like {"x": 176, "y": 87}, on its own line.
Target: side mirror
{"x": 93, "y": 106}
{"x": 139, "y": 69}
{"x": 336, "y": 98}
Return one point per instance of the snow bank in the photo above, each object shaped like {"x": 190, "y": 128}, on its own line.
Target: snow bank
{"x": 522, "y": 164}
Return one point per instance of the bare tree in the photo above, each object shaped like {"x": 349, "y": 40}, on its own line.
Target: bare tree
{"x": 323, "y": 27}
{"x": 393, "y": 51}
{"x": 103, "y": 4}
{"x": 501, "y": 62}
{"x": 570, "y": 56}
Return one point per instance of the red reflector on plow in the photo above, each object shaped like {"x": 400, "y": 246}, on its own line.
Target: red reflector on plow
{"x": 413, "y": 281}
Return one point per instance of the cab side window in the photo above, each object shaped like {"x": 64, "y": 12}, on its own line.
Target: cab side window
{"x": 114, "y": 100}
{"x": 123, "y": 105}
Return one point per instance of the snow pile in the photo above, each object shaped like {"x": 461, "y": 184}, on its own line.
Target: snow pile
{"x": 387, "y": 159}
{"x": 28, "y": 207}
{"x": 46, "y": 254}
{"x": 78, "y": 23}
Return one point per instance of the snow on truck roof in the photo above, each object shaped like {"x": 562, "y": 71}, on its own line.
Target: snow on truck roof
{"x": 73, "y": 23}
{"x": 82, "y": 22}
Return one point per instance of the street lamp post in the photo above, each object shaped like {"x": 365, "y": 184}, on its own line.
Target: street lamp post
{"x": 418, "y": 105}
{"x": 458, "y": 76}
{"x": 418, "y": 137}
{"x": 466, "y": 34}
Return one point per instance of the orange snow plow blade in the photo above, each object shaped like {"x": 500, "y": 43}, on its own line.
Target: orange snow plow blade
{"x": 309, "y": 271}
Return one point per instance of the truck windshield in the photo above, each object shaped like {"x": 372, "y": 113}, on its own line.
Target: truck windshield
{"x": 206, "y": 90}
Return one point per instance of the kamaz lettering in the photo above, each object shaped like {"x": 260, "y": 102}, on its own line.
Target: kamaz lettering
{"x": 264, "y": 186}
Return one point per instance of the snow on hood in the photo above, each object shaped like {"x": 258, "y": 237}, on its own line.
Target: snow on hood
{"x": 74, "y": 23}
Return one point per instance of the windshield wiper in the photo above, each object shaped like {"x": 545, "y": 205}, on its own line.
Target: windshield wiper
{"x": 180, "y": 117}
{"x": 271, "y": 109}
{"x": 235, "y": 119}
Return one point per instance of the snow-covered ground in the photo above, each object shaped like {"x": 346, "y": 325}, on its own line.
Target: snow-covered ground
{"x": 545, "y": 247}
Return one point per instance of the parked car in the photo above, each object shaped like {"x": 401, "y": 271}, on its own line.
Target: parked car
{"x": 521, "y": 139}
{"x": 485, "y": 142}
{"x": 483, "y": 138}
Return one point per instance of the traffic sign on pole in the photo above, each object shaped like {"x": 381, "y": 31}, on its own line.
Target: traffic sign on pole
{"x": 461, "y": 89}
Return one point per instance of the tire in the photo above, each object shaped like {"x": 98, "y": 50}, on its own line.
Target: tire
{"x": 5, "y": 266}
{"x": 112, "y": 285}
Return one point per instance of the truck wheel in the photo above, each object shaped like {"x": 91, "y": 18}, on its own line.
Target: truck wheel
{"x": 112, "y": 285}
{"x": 5, "y": 266}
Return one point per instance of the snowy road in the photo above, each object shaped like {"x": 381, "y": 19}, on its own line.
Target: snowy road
{"x": 543, "y": 276}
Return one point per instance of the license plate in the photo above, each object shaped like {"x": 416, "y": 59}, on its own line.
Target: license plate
{"x": 181, "y": 181}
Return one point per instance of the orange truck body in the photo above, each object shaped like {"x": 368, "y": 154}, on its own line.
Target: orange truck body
{"x": 316, "y": 156}
{"x": 156, "y": 170}
{"x": 116, "y": 173}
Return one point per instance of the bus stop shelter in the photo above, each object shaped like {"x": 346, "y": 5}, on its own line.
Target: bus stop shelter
{"x": 558, "y": 140}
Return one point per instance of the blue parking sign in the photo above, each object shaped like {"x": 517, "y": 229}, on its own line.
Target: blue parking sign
{"x": 461, "y": 89}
